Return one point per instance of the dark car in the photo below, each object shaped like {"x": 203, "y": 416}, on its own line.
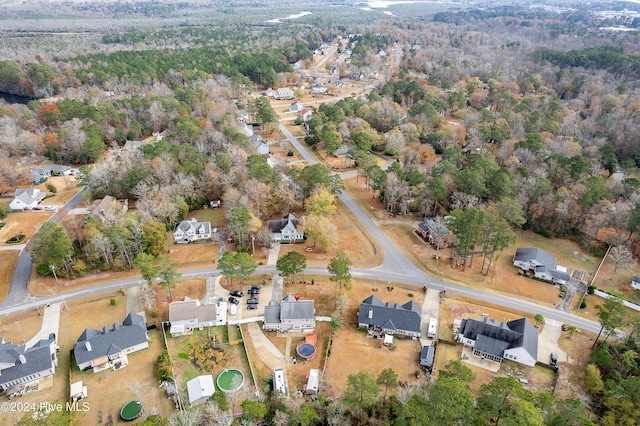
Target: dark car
{"x": 554, "y": 359}
{"x": 251, "y": 307}
{"x": 252, "y": 301}
{"x": 236, "y": 293}
{"x": 255, "y": 287}
{"x": 254, "y": 291}
{"x": 234, "y": 300}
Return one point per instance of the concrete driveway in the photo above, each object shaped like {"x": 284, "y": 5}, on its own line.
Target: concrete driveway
{"x": 548, "y": 341}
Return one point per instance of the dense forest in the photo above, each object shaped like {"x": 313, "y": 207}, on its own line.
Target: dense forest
{"x": 497, "y": 118}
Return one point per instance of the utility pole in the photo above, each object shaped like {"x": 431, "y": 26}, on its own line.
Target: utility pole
{"x": 53, "y": 269}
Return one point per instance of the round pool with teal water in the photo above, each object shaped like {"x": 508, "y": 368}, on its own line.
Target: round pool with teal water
{"x": 230, "y": 380}
{"x": 306, "y": 350}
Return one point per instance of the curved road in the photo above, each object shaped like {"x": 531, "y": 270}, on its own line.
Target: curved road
{"x": 395, "y": 268}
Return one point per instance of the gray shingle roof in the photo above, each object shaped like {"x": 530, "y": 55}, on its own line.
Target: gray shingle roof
{"x": 36, "y": 359}
{"x": 132, "y": 332}
{"x": 401, "y": 317}
{"x": 276, "y": 226}
{"x": 495, "y": 337}
{"x": 272, "y": 313}
{"x": 536, "y": 256}
{"x": 434, "y": 226}
{"x": 297, "y": 310}
{"x": 426, "y": 356}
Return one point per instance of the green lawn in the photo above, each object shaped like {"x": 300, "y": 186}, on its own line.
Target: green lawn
{"x": 215, "y": 216}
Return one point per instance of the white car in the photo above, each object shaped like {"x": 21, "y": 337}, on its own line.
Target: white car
{"x": 49, "y": 208}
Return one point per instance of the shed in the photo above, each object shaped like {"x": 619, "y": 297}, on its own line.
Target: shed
{"x": 200, "y": 389}
{"x": 311, "y": 388}
{"x": 426, "y": 357}
{"x": 78, "y": 391}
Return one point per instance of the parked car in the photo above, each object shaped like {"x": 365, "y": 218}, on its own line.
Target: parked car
{"x": 254, "y": 291}
{"x": 36, "y": 208}
{"x": 251, "y": 307}
{"x": 256, "y": 287}
{"x": 233, "y": 300}
{"x": 236, "y": 293}
{"x": 252, "y": 301}
{"x": 49, "y": 208}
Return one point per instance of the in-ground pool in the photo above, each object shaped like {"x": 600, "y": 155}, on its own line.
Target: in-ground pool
{"x": 131, "y": 410}
{"x": 230, "y": 380}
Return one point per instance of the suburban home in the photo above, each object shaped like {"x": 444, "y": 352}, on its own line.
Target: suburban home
{"x": 26, "y": 198}
{"x": 516, "y": 340}
{"x": 285, "y": 229}
{"x": 435, "y": 232}
{"x": 200, "y": 389}
{"x": 99, "y": 208}
{"x": 540, "y": 264}
{"x": 108, "y": 348}
{"x": 635, "y": 282}
{"x": 191, "y": 230}
{"x": 40, "y": 174}
{"x": 261, "y": 146}
{"x": 23, "y": 370}
{"x": 295, "y": 107}
{"x": 426, "y": 357}
{"x": 318, "y": 89}
{"x": 381, "y": 318}
{"x": 283, "y": 94}
{"x": 342, "y": 151}
{"x": 189, "y": 314}
{"x": 290, "y": 314}
{"x": 304, "y": 114}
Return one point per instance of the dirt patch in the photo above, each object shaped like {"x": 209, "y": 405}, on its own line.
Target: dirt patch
{"x": 203, "y": 254}
{"x": 571, "y": 378}
{"x": 8, "y": 260}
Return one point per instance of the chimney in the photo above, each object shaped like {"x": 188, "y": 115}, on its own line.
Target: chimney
{"x": 88, "y": 346}
{"x": 22, "y": 359}
{"x": 370, "y": 313}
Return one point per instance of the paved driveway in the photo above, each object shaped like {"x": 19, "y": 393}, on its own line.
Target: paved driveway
{"x": 548, "y": 341}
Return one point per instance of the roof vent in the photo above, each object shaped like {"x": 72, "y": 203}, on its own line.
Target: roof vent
{"x": 370, "y": 313}
{"x": 87, "y": 345}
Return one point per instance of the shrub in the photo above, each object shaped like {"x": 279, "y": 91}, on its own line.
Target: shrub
{"x": 4, "y": 210}
{"x": 591, "y": 289}
{"x": 290, "y": 153}
{"x": 2, "y": 224}
{"x": 583, "y": 304}
{"x": 43, "y": 270}
{"x": 113, "y": 302}
{"x": 545, "y": 233}
{"x": 16, "y": 239}
{"x": 51, "y": 188}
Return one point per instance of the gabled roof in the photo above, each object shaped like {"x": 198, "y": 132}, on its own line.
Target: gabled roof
{"x": 276, "y": 226}
{"x": 495, "y": 337}
{"x": 636, "y": 279}
{"x": 39, "y": 357}
{"x": 535, "y": 256}
{"x": 193, "y": 224}
{"x": 200, "y": 387}
{"x": 426, "y": 356}
{"x": 132, "y": 332}
{"x": 390, "y": 315}
{"x": 183, "y": 310}
{"x": 435, "y": 227}
{"x": 297, "y": 309}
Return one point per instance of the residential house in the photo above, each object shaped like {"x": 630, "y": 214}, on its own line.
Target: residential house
{"x": 22, "y": 370}
{"x": 304, "y": 114}
{"x": 516, "y": 340}
{"x": 297, "y": 66}
{"x": 100, "y": 208}
{"x": 379, "y": 318}
{"x": 99, "y": 350}
{"x": 40, "y": 174}
{"x": 541, "y": 264}
{"x": 26, "y": 198}
{"x": 319, "y": 89}
{"x": 200, "y": 389}
{"x": 191, "y": 230}
{"x": 427, "y": 356}
{"x": 290, "y": 314}
{"x": 635, "y": 282}
{"x": 435, "y": 232}
{"x": 342, "y": 151}
{"x": 295, "y": 107}
{"x": 286, "y": 229}
{"x": 189, "y": 314}
{"x": 283, "y": 94}
{"x": 261, "y": 146}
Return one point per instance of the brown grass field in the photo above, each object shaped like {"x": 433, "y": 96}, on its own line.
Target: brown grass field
{"x": 8, "y": 259}
{"x": 27, "y": 223}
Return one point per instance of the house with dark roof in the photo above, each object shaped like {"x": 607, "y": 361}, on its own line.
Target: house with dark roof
{"x": 286, "y": 229}
{"x": 23, "y": 370}
{"x": 99, "y": 350}
{"x": 435, "y": 232}
{"x": 99, "y": 208}
{"x": 635, "y": 282}
{"x": 290, "y": 314}
{"x": 26, "y": 198}
{"x": 188, "y": 314}
{"x": 380, "y": 318}
{"x": 191, "y": 230}
{"x": 516, "y": 340}
{"x": 540, "y": 264}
